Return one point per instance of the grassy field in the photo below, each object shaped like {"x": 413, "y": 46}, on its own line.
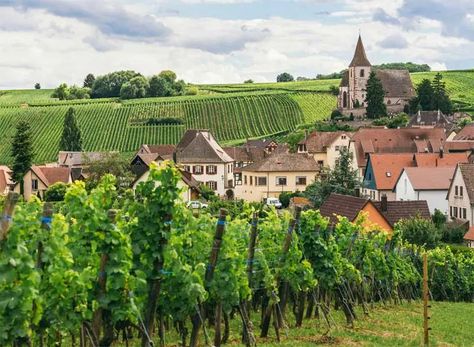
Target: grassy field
{"x": 233, "y": 112}
{"x": 387, "y": 326}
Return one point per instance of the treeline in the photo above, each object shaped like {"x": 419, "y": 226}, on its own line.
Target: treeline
{"x": 126, "y": 84}
{"x": 411, "y": 67}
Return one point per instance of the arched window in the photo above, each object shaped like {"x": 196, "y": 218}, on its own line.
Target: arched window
{"x": 344, "y": 99}
{"x": 389, "y": 101}
{"x": 362, "y": 73}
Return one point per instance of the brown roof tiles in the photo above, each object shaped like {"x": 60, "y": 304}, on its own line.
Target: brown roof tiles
{"x": 284, "y": 162}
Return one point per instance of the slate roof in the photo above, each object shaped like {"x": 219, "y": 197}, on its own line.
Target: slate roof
{"x": 284, "y": 162}
{"x": 360, "y": 58}
{"x": 50, "y": 175}
{"x": 406, "y": 140}
{"x": 199, "y": 146}
{"x": 318, "y": 141}
{"x": 424, "y": 118}
{"x": 397, "y": 210}
{"x": 429, "y": 178}
{"x": 396, "y": 83}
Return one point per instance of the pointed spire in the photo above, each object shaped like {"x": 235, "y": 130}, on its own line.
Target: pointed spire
{"x": 360, "y": 58}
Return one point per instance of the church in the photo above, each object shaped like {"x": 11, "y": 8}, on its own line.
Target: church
{"x": 352, "y": 90}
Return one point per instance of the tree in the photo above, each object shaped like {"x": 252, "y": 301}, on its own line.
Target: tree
{"x": 425, "y": 94}
{"x": 160, "y": 86}
{"x": 71, "y": 136}
{"x": 137, "y": 87}
{"x": 375, "y": 97}
{"x": 109, "y": 86}
{"x": 89, "y": 81}
{"x": 419, "y": 231}
{"x": 168, "y": 75}
{"x": 61, "y": 92}
{"x": 37, "y": 86}
{"x": 342, "y": 179}
{"x": 109, "y": 163}
{"x": 248, "y": 81}
{"x": 285, "y": 77}
{"x": 56, "y": 192}
{"x": 441, "y": 99}
{"x": 22, "y": 153}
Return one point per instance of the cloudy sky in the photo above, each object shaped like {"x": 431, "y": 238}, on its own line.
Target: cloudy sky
{"x": 223, "y": 41}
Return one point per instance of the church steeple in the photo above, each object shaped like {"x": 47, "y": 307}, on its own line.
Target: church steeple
{"x": 360, "y": 58}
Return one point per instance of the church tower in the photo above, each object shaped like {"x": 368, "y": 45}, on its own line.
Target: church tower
{"x": 358, "y": 75}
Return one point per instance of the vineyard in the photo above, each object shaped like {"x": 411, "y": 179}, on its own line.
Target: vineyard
{"x": 96, "y": 270}
{"x": 109, "y": 125}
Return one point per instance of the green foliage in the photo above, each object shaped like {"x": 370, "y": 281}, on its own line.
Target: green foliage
{"x": 342, "y": 179}
{"x": 235, "y": 208}
{"x": 419, "y": 231}
{"x": 56, "y": 192}
{"x": 21, "y": 152}
{"x": 37, "y": 86}
{"x": 110, "y": 163}
{"x": 432, "y": 96}
{"x": 248, "y": 81}
{"x": 137, "y": 87}
{"x": 398, "y": 121}
{"x": 453, "y": 233}
{"x": 375, "y": 97}
{"x": 336, "y": 114}
{"x": 285, "y": 197}
{"x": 293, "y": 139}
{"x": 285, "y": 77}
{"x": 164, "y": 121}
{"x": 89, "y": 81}
{"x": 71, "y": 136}
{"x": 207, "y": 193}
{"x": 411, "y": 67}
{"x": 63, "y": 92}
{"x": 439, "y": 218}
{"x": 109, "y": 85}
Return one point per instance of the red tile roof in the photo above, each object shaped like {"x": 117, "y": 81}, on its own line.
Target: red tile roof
{"x": 469, "y": 235}
{"x": 406, "y": 140}
{"x": 466, "y": 133}
{"x": 318, "y": 141}
{"x": 436, "y": 160}
{"x": 387, "y": 168}
{"x": 429, "y": 178}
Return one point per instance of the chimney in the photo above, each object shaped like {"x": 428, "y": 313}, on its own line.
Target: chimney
{"x": 174, "y": 157}
{"x": 384, "y": 203}
{"x": 357, "y": 192}
{"x": 441, "y": 152}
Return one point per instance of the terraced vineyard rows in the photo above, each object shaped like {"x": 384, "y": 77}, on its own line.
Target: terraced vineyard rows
{"x": 108, "y": 126}
{"x": 315, "y": 107}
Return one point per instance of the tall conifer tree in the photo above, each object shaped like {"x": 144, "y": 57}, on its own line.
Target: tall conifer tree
{"x": 374, "y": 98}
{"x": 22, "y": 153}
{"x": 71, "y": 137}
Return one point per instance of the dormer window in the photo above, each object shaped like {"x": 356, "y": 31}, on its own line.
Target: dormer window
{"x": 362, "y": 73}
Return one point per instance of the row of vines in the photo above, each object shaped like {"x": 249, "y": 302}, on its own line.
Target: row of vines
{"x": 135, "y": 269}
{"x": 109, "y": 126}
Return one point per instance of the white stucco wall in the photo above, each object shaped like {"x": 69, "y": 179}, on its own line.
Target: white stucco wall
{"x": 458, "y": 201}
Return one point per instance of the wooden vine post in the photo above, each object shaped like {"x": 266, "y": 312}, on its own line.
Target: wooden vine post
{"x": 46, "y": 220}
{"x": 200, "y": 316}
{"x": 7, "y": 215}
{"x": 426, "y": 294}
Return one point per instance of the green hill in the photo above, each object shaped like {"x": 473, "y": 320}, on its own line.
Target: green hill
{"x": 233, "y": 112}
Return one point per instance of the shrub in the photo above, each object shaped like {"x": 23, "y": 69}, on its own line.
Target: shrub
{"x": 164, "y": 121}
{"x": 336, "y": 114}
{"x": 56, "y": 192}
{"x": 419, "y": 231}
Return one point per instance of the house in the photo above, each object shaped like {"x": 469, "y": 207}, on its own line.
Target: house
{"x": 461, "y": 194}
{"x": 406, "y": 140}
{"x": 325, "y": 146}
{"x": 39, "y": 178}
{"x": 76, "y": 161}
{"x": 397, "y": 85}
{"x": 352, "y": 207}
{"x": 188, "y": 184}
{"x": 469, "y": 237}
{"x": 429, "y": 119}
{"x": 5, "y": 180}
{"x": 277, "y": 173}
{"x": 383, "y": 170}
{"x": 463, "y": 141}
{"x": 199, "y": 153}
{"x": 425, "y": 183}
{"x": 149, "y": 153}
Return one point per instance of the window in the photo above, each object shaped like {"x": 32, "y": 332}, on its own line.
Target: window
{"x": 281, "y": 181}
{"x": 362, "y": 73}
{"x": 300, "y": 180}
{"x": 389, "y": 102}
{"x": 343, "y": 137}
{"x": 456, "y": 190}
{"x": 451, "y": 211}
{"x": 34, "y": 184}
{"x": 211, "y": 169}
{"x": 337, "y": 148}
{"x": 187, "y": 168}
{"x": 251, "y": 180}
{"x": 245, "y": 179}
{"x": 461, "y": 191}
{"x": 212, "y": 185}
{"x": 320, "y": 163}
{"x": 455, "y": 212}
{"x": 198, "y": 169}
{"x": 464, "y": 213}
{"x": 261, "y": 181}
